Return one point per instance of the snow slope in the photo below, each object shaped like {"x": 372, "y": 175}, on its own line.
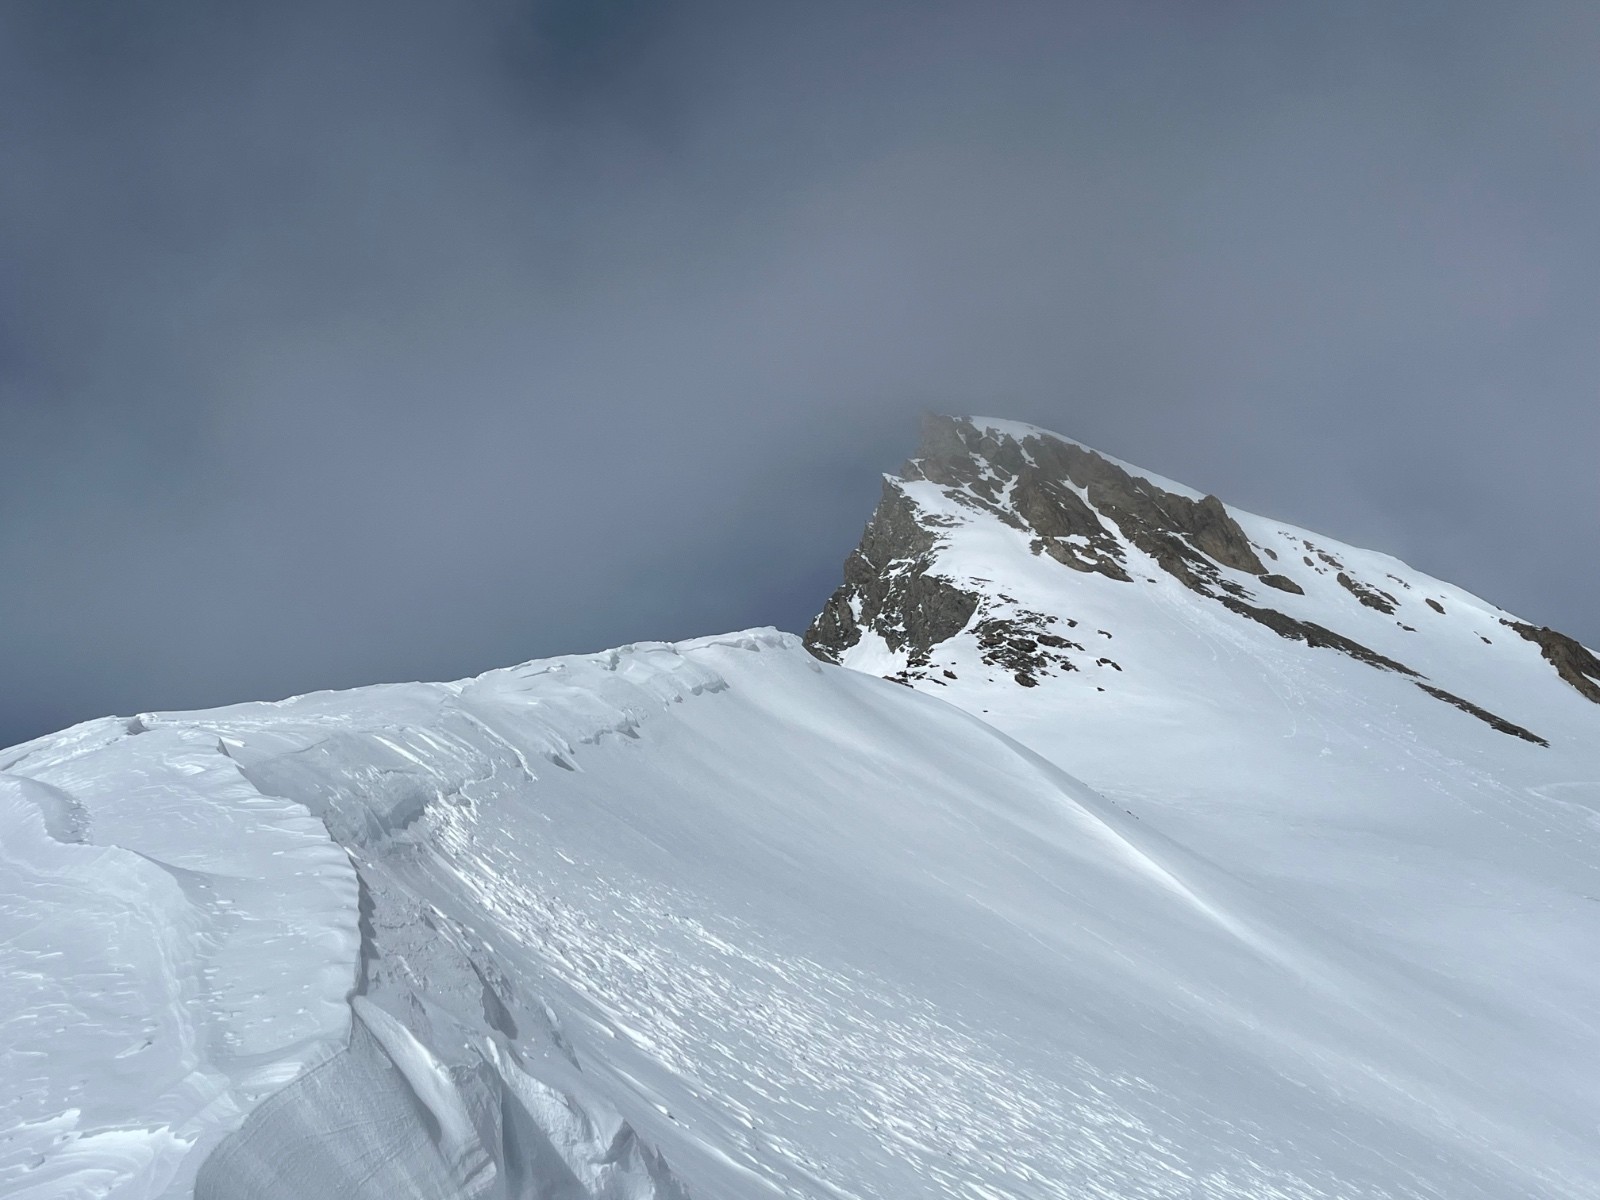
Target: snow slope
{"x": 174, "y": 946}
{"x": 1338, "y": 794}
{"x": 718, "y": 920}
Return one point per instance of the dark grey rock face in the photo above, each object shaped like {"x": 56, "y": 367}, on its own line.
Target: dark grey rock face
{"x": 888, "y": 588}
{"x": 1187, "y": 537}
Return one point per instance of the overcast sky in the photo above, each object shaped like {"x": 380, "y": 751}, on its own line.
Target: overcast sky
{"x": 343, "y": 343}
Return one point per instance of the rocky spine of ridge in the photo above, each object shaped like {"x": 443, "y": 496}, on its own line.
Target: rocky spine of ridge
{"x": 1081, "y": 510}
{"x": 1571, "y": 660}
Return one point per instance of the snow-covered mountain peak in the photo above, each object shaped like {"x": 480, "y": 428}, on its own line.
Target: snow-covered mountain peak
{"x": 996, "y": 538}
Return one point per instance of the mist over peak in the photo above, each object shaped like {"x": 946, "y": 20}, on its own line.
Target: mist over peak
{"x": 394, "y": 341}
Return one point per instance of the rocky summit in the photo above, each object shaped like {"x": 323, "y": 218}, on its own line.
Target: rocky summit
{"x": 911, "y": 600}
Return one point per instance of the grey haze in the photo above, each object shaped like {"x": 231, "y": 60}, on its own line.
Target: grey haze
{"x": 341, "y": 343}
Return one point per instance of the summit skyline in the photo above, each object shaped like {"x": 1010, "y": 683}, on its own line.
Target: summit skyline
{"x": 359, "y": 342}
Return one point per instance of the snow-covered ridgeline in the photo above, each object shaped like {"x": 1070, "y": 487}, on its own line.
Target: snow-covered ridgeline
{"x": 185, "y": 941}
{"x": 717, "y": 920}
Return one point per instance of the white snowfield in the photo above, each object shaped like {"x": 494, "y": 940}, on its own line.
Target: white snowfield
{"x": 716, "y": 921}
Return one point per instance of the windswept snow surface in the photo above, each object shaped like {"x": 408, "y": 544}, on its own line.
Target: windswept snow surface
{"x": 174, "y": 946}
{"x": 717, "y": 921}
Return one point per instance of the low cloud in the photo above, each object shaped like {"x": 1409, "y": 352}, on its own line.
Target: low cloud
{"x": 348, "y": 343}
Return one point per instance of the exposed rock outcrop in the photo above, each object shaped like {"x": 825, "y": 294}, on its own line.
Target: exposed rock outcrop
{"x": 1370, "y": 596}
{"x": 1313, "y": 634}
{"x": 889, "y": 589}
{"x": 1499, "y": 724}
{"x": 1569, "y": 657}
{"x": 1024, "y": 644}
{"x": 1284, "y": 584}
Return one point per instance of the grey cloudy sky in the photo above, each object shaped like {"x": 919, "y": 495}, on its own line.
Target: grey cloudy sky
{"x": 351, "y": 342}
